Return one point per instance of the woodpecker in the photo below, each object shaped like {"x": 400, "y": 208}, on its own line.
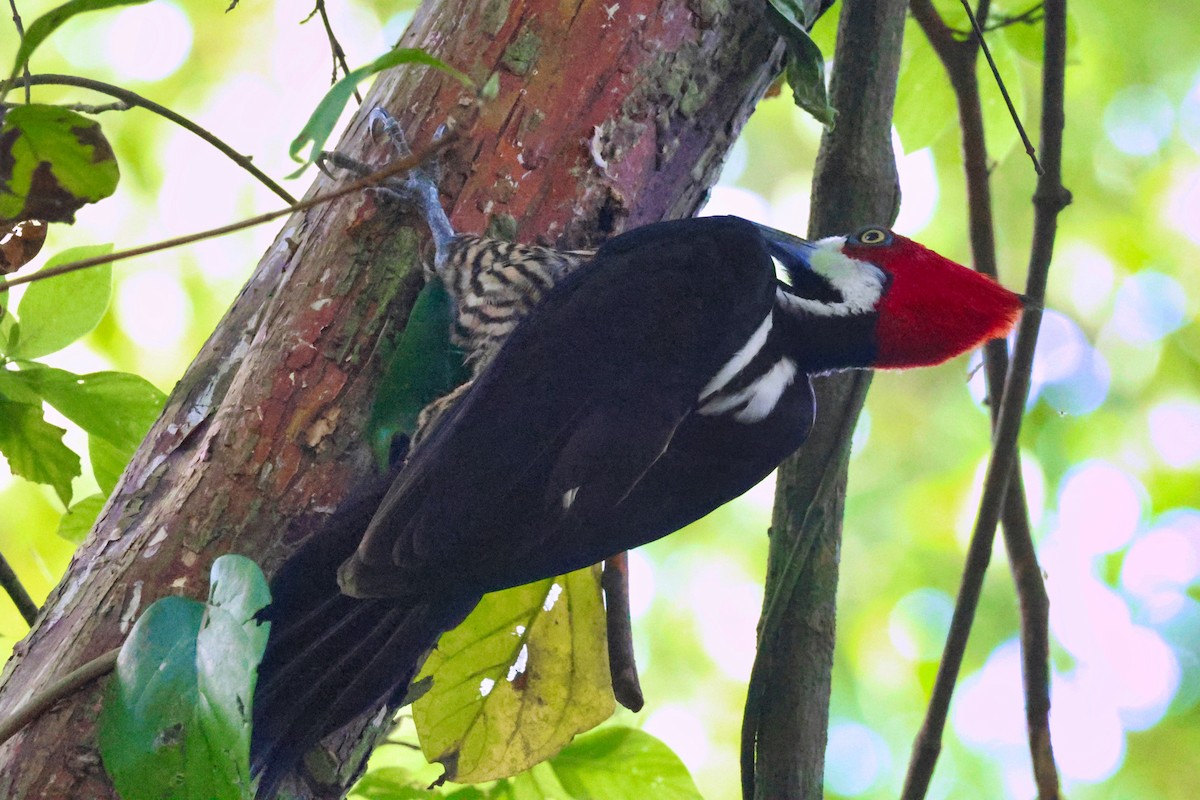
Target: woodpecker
{"x": 618, "y": 396}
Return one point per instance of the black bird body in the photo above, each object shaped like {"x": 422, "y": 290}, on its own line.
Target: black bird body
{"x": 587, "y": 397}
{"x": 661, "y": 378}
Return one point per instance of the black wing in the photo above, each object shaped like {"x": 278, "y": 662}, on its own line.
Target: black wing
{"x": 565, "y": 423}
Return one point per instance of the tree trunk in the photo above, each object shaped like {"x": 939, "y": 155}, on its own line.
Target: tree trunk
{"x": 608, "y": 116}
{"x": 855, "y": 184}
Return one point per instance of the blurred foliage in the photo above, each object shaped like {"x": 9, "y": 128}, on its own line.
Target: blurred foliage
{"x": 1111, "y": 443}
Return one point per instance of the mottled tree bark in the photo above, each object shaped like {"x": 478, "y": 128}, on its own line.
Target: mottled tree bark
{"x": 608, "y": 116}
{"x": 855, "y": 184}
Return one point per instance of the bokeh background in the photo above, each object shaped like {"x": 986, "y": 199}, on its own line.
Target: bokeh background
{"x": 1110, "y": 450}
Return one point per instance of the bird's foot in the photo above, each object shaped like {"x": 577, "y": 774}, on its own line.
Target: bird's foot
{"x": 418, "y": 187}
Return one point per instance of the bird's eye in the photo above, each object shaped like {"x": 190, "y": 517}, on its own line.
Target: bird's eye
{"x": 874, "y": 236}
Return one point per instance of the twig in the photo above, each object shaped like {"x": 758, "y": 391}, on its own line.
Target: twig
{"x": 987, "y": 53}
{"x": 16, "y": 590}
{"x": 137, "y": 100}
{"x": 396, "y": 167}
{"x": 63, "y": 687}
{"x": 1049, "y": 200}
{"x": 622, "y": 665}
{"x": 84, "y": 108}
{"x": 20, "y": 26}
{"x": 958, "y": 59}
{"x": 339, "y": 55}
{"x": 959, "y": 63}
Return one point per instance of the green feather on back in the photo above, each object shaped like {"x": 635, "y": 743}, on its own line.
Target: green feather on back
{"x": 425, "y": 366}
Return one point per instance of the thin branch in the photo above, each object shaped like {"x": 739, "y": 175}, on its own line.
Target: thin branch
{"x": 64, "y": 687}
{"x": 395, "y": 168}
{"x": 84, "y": 108}
{"x": 1012, "y": 111}
{"x": 137, "y": 100}
{"x": 622, "y": 665}
{"x": 20, "y": 26}
{"x": 339, "y": 55}
{"x": 16, "y": 590}
{"x": 958, "y": 59}
{"x": 1050, "y": 198}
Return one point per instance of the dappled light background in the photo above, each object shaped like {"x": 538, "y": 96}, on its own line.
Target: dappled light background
{"x": 1111, "y": 447}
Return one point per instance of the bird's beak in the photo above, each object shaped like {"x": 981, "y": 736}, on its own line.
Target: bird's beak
{"x": 791, "y": 250}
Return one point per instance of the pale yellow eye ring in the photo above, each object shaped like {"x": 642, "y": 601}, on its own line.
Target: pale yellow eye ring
{"x": 872, "y": 236}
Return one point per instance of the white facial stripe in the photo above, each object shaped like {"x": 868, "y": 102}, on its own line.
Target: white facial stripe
{"x": 859, "y": 283}
{"x": 759, "y": 398}
{"x": 740, "y": 359}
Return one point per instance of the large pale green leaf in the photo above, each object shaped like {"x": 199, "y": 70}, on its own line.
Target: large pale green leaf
{"x": 34, "y": 448}
{"x": 316, "y": 131}
{"x": 614, "y": 763}
{"x": 623, "y": 764}
{"x": 525, "y": 672}
{"x": 425, "y": 366}
{"x": 397, "y": 783}
{"x": 176, "y": 719}
{"x": 52, "y": 162}
{"x": 56, "y": 311}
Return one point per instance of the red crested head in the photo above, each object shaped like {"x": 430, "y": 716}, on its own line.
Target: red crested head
{"x": 932, "y": 309}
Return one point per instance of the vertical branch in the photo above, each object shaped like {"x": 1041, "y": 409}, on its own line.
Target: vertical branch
{"x": 787, "y": 707}
{"x": 1050, "y": 198}
{"x": 959, "y": 57}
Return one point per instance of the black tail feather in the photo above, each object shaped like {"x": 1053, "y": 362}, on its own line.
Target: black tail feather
{"x": 330, "y": 657}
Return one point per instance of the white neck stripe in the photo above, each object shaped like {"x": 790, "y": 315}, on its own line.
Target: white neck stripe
{"x": 759, "y": 398}
{"x": 740, "y": 359}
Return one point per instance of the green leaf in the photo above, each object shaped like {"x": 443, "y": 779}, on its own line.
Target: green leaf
{"x": 150, "y": 700}
{"x": 623, "y": 764}
{"x": 425, "y": 366}
{"x": 525, "y": 672}
{"x": 47, "y": 23}
{"x": 56, "y": 311}
{"x": 228, "y": 649}
{"x": 52, "y": 162}
{"x": 925, "y": 106}
{"x": 34, "y": 448}
{"x": 176, "y": 718}
{"x": 117, "y": 406}
{"x": 10, "y": 331}
{"x": 799, "y": 13}
{"x": 316, "y": 131}
{"x": 392, "y": 783}
{"x": 14, "y": 387}
{"x": 78, "y": 520}
{"x": 805, "y": 70}
{"x": 108, "y": 462}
